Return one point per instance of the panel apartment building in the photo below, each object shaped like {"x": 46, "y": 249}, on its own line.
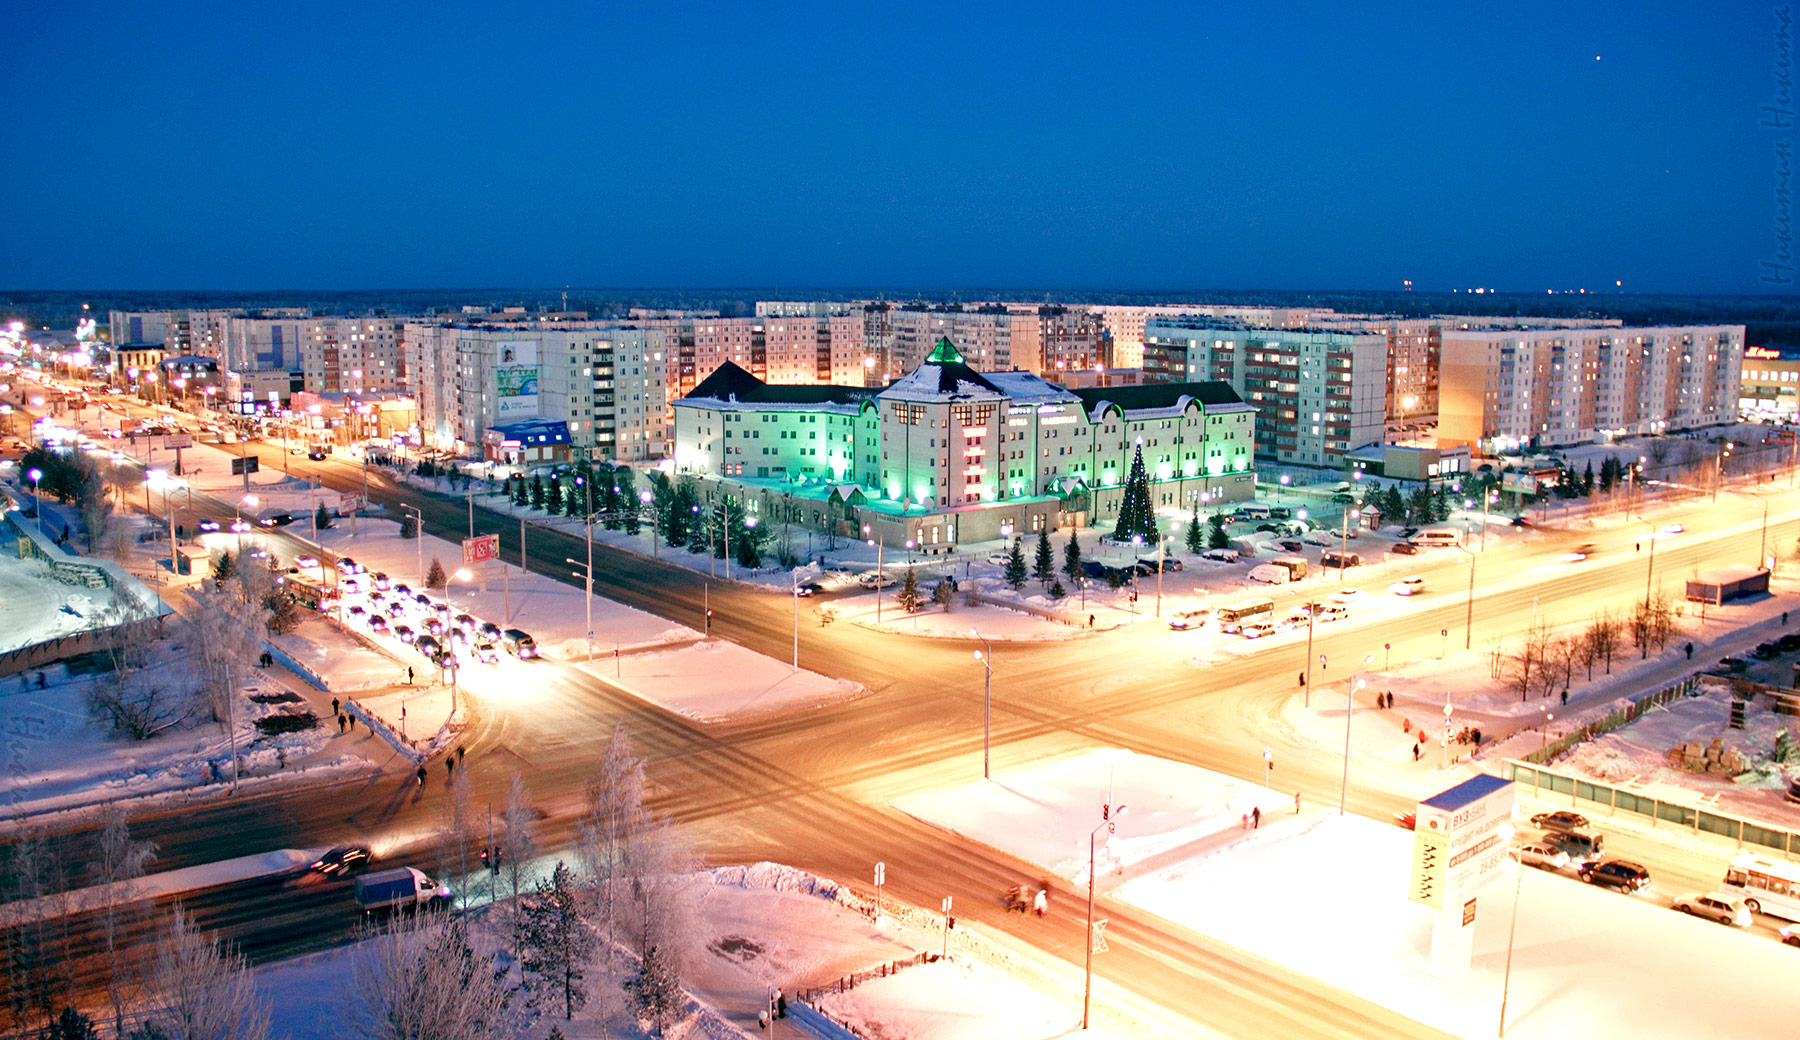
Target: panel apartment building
{"x": 1318, "y": 392}
{"x": 1502, "y": 389}
{"x": 606, "y": 381}
{"x": 949, "y": 453}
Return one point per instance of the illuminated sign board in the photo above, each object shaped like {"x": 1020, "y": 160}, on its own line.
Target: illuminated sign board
{"x": 1459, "y": 840}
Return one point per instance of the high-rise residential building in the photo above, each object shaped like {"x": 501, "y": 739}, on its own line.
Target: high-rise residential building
{"x": 607, "y": 381}
{"x": 1318, "y": 392}
{"x": 822, "y": 348}
{"x": 948, "y": 453}
{"x": 1502, "y": 389}
{"x": 352, "y": 354}
{"x": 1125, "y": 323}
{"x": 139, "y": 328}
{"x": 263, "y": 343}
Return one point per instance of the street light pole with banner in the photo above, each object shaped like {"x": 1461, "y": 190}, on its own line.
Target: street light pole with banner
{"x": 480, "y": 550}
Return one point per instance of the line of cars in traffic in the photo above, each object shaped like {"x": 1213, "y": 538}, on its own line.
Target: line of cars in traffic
{"x": 419, "y": 621}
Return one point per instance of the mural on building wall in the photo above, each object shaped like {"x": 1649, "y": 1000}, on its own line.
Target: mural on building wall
{"x": 516, "y": 380}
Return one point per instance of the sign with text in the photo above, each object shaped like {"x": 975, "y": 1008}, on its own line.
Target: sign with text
{"x": 486, "y": 547}
{"x": 1459, "y": 840}
{"x": 244, "y": 464}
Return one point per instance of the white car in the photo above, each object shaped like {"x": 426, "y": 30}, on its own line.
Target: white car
{"x": 1333, "y": 612}
{"x": 875, "y": 580}
{"x": 306, "y": 562}
{"x": 1672, "y": 529}
{"x": 1190, "y": 619}
{"x": 1347, "y": 595}
{"x": 1408, "y": 586}
{"x": 1220, "y": 555}
{"x": 1541, "y": 854}
{"x": 1256, "y": 630}
{"x": 1715, "y": 906}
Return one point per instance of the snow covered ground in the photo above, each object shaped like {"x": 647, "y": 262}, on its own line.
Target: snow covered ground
{"x": 342, "y": 663}
{"x": 1043, "y": 814}
{"x": 1180, "y": 852}
{"x": 35, "y": 607}
{"x": 753, "y": 929}
{"x": 157, "y": 885}
{"x": 716, "y": 680}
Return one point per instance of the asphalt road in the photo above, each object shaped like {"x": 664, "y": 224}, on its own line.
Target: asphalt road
{"x": 813, "y": 788}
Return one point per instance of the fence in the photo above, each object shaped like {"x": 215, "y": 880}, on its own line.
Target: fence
{"x": 1739, "y": 829}
{"x": 37, "y": 655}
{"x": 1623, "y": 716}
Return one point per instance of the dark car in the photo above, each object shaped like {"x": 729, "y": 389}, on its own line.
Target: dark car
{"x": 209, "y": 524}
{"x": 1764, "y": 651}
{"x": 381, "y": 581}
{"x": 1408, "y": 532}
{"x": 1789, "y": 643}
{"x": 427, "y": 645}
{"x": 277, "y": 520}
{"x": 1522, "y": 521}
{"x": 519, "y": 644}
{"x": 490, "y": 632}
{"x": 1281, "y": 513}
{"x": 345, "y": 859}
{"x": 317, "y": 455}
{"x": 1623, "y": 875}
{"x": 808, "y": 588}
{"x": 1406, "y": 548}
{"x": 1561, "y": 820}
{"x": 1272, "y": 528}
{"x": 403, "y": 590}
{"x": 1732, "y": 664}
{"x": 1293, "y": 545}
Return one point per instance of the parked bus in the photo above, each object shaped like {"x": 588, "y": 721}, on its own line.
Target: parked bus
{"x": 1766, "y": 886}
{"x": 1437, "y": 536}
{"x": 1232, "y": 617}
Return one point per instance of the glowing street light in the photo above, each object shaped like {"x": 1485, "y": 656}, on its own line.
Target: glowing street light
{"x": 987, "y": 697}
{"x": 37, "y": 496}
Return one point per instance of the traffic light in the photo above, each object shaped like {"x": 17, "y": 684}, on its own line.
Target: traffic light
{"x": 709, "y": 621}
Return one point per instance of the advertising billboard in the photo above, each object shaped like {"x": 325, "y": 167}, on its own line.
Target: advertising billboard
{"x": 516, "y": 379}
{"x": 1459, "y": 840}
{"x": 485, "y": 547}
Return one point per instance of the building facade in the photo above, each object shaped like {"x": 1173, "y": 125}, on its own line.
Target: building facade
{"x": 1318, "y": 392}
{"x": 353, "y": 355}
{"x": 948, "y": 453}
{"x": 1770, "y": 386}
{"x": 1502, "y": 390}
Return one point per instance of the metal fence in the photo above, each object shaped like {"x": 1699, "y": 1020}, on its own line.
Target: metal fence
{"x": 1624, "y": 716}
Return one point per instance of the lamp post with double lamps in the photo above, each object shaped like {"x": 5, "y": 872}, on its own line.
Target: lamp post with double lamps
{"x": 879, "y": 541}
{"x": 37, "y": 497}
{"x": 586, "y": 574}
{"x": 1109, "y": 821}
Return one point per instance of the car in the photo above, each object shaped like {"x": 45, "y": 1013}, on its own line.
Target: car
{"x": 1169, "y": 565}
{"x": 345, "y": 859}
{"x": 1346, "y": 595}
{"x": 1790, "y": 935}
{"x": 1560, "y": 820}
{"x": 1582, "y": 847}
{"x": 405, "y": 634}
{"x": 1256, "y": 630}
{"x": 1281, "y": 512}
{"x": 874, "y": 580}
{"x": 1220, "y": 555}
{"x": 427, "y": 645}
{"x": 306, "y": 563}
{"x": 376, "y": 599}
{"x": 277, "y": 520}
{"x": 433, "y": 625}
{"x": 519, "y": 644}
{"x": 1290, "y": 544}
{"x": 1789, "y": 643}
{"x": 1333, "y": 612}
{"x": 356, "y": 612}
{"x": 1272, "y": 528}
{"x": 1733, "y": 664}
{"x": 489, "y": 632}
{"x": 1540, "y": 854}
{"x": 1343, "y": 496}
{"x": 381, "y": 581}
{"x": 1764, "y": 651}
{"x": 396, "y": 609}
{"x": 808, "y": 588}
{"x": 999, "y": 559}
{"x": 349, "y": 566}
{"x": 317, "y": 455}
{"x": 1621, "y": 874}
{"x": 1408, "y": 819}
{"x": 1408, "y": 532}
{"x": 377, "y": 623}
{"x": 465, "y": 623}
{"x": 422, "y": 600}
{"x": 208, "y": 524}
{"x": 486, "y": 653}
{"x": 1715, "y": 906}
{"x": 1672, "y": 529}
{"x": 1577, "y": 554}
{"x": 403, "y": 591}
{"x": 1185, "y": 620}
{"x": 1321, "y": 538}
{"x": 350, "y": 585}
{"x": 1522, "y": 521}
{"x": 1406, "y": 548}
{"x": 296, "y": 451}
{"x": 1408, "y": 586}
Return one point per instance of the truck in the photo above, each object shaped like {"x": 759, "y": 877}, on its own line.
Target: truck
{"x": 402, "y": 888}
{"x": 1280, "y": 570}
{"x": 1296, "y": 566}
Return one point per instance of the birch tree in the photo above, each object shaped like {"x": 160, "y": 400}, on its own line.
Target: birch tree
{"x": 518, "y": 840}
{"x": 197, "y": 991}
{"x": 118, "y": 861}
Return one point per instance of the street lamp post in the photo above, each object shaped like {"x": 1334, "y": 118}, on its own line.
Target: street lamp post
{"x": 462, "y": 574}
{"x": 419, "y": 534}
{"x": 587, "y": 576}
{"x": 1487, "y": 499}
{"x": 1649, "y": 572}
{"x": 1344, "y": 539}
{"x": 1349, "y": 712}
{"x": 37, "y": 497}
{"x": 1512, "y": 930}
{"x": 1469, "y": 613}
{"x": 1719, "y": 469}
{"x": 880, "y": 544}
{"x": 987, "y": 698}
{"x": 1110, "y": 819}
{"x": 645, "y": 496}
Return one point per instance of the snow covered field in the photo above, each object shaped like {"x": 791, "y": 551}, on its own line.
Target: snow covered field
{"x": 754, "y": 928}
{"x": 715, "y": 680}
{"x": 35, "y": 607}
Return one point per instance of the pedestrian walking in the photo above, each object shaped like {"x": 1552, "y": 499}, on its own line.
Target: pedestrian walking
{"x": 334, "y": 705}
{"x": 409, "y": 675}
{"x": 1090, "y": 621}
{"x": 449, "y": 766}
{"x": 340, "y": 719}
{"x": 1301, "y": 681}
{"x": 1565, "y": 698}
{"x": 1415, "y": 752}
{"x": 1296, "y": 803}
{"x": 780, "y": 1004}
{"x": 1040, "y": 903}
{"x": 459, "y": 754}
{"x": 421, "y": 776}
{"x": 1244, "y": 822}
{"x": 1784, "y": 615}
{"x": 352, "y": 719}
{"x": 1690, "y": 647}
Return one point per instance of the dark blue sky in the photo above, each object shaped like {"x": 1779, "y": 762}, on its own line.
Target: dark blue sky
{"x": 1124, "y": 145}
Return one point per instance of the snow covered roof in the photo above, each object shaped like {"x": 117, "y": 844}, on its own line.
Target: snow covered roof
{"x": 728, "y": 383}
{"x": 944, "y": 376}
{"x": 1153, "y": 399}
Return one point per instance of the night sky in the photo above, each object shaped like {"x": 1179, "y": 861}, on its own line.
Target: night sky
{"x": 249, "y": 145}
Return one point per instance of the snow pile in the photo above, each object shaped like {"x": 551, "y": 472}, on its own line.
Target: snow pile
{"x": 956, "y": 1000}
{"x": 716, "y": 680}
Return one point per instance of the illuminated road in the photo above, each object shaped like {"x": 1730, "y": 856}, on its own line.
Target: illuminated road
{"x": 813, "y": 788}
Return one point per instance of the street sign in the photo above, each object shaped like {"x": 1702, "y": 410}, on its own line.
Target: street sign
{"x": 1459, "y": 842}
{"x": 178, "y": 440}
{"x": 485, "y": 547}
{"x": 349, "y": 504}
{"x": 243, "y": 465}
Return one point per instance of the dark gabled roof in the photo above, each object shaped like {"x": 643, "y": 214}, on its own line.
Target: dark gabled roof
{"x": 1157, "y": 395}
{"x": 943, "y": 372}
{"x": 728, "y": 382}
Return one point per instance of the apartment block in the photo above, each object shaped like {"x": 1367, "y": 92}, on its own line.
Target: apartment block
{"x": 353, "y": 355}
{"x": 1318, "y": 392}
{"x": 822, "y": 348}
{"x": 1501, "y": 389}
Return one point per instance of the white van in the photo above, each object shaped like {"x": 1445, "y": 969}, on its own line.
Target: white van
{"x": 1252, "y": 511}
{"x": 1434, "y": 537}
{"x": 1271, "y": 574}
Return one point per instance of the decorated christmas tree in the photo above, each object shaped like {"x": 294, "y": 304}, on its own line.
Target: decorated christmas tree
{"x": 1135, "y": 517}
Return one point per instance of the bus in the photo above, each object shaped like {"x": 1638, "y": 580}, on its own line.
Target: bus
{"x": 1436, "y": 536}
{"x": 1233, "y": 616}
{"x": 1766, "y": 886}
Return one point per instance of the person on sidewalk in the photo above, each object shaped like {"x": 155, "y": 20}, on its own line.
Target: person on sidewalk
{"x": 1040, "y": 903}
{"x": 334, "y": 705}
{"x": 421, "y": 776}
{"x": 1296, "y": 803}
{"x": 340, "y": 719}
{"x": 409, "y": 675}
{"x": 1256, "y": 817}
{"x": 449, "y": 766}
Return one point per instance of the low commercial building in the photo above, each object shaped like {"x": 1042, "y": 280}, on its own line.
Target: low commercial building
{"x": 1770, "y": 385}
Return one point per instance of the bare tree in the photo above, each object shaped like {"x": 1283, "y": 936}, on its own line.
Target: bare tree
{"x": 426, "y": 982}
{"x": 230, "y": 629}
{"x": 199, "y": 991}
{"x": 456, "y": 831}
{"x": 1603, "y": 634}
{"x": 118, "y": 860}
{"x": 125, "y": 701}
{"x": 1524, "y": 668}
{"x": 612, "y": 814}
{"x": 36, "y": 980}
{"x": 518, "y": 841}
{"x": 657, "y": 862}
